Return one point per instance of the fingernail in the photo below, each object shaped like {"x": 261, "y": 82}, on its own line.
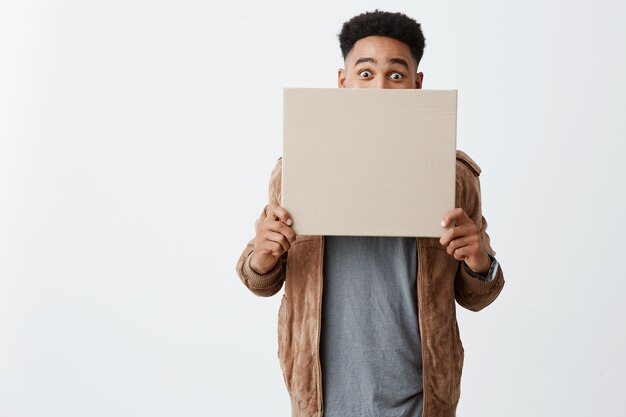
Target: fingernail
{"x": 289, "y": 222}
{"x": 443, "y": 223}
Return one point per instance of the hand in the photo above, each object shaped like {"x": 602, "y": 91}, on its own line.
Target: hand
{"x": 274, "y": 237}
{"x": 462, "y": 240}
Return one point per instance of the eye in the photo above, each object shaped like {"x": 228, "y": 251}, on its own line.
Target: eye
{"x": 365, "y": 74}
{"x": 396, "y": 76}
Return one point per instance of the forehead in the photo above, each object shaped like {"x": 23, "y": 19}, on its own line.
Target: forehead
{"x": 380, "y": 48}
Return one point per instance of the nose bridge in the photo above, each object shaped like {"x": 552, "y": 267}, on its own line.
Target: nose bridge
{"x": 381, "y": 82}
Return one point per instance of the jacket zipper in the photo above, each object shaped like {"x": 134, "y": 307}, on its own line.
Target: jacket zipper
{"x": 320, "y": 397}
{"x": 420, "y": 291}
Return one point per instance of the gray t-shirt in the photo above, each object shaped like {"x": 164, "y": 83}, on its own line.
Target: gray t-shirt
{"x": 370, "y": 347}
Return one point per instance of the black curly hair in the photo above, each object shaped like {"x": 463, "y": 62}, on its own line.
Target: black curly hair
{"x": 379, "y": 23}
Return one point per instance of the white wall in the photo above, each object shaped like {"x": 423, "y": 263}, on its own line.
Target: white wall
{"x": 136, "y": 141}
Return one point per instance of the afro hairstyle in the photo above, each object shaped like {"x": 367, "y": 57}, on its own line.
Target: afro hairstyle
{"x": 379, "y": 23}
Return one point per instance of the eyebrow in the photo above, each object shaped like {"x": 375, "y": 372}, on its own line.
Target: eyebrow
{"x": 365, "y": 59}
{"x": 399, "y": 61}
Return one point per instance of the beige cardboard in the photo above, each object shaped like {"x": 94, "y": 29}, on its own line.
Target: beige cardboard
{"x": 369, "y": 162}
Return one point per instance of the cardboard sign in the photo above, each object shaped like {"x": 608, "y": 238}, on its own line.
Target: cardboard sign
{"x": 369, "y": 162}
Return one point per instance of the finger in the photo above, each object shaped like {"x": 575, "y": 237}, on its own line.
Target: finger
{"x": 449, "y": 217}
{"x": 279, "y": 213}
{"x": 280, "y": 239}
{"x": 459, "y": 243}
{"x": 288, "y": 232}
{"x": 461, "y": 254}
{"x": 456, "y": 216}
{"x": 271, "y": 247}
{"x": 283, "y": 229}
{"x": 454, "y": 233}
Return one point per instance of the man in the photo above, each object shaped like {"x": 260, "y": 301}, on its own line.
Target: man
{"x": 385, "y": 338}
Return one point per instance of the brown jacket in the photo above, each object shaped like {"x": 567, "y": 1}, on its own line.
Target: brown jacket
{"x": 440, "y": 280}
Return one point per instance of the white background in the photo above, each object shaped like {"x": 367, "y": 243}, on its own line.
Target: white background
{"x": 136, "y": 142}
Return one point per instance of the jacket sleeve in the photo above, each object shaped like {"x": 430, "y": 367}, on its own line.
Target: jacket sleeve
{"x": 268, "y": 284}
{"x": 470, "y": 292}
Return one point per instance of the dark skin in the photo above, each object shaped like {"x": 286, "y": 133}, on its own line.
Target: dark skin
{"x": 373, "y": 62}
